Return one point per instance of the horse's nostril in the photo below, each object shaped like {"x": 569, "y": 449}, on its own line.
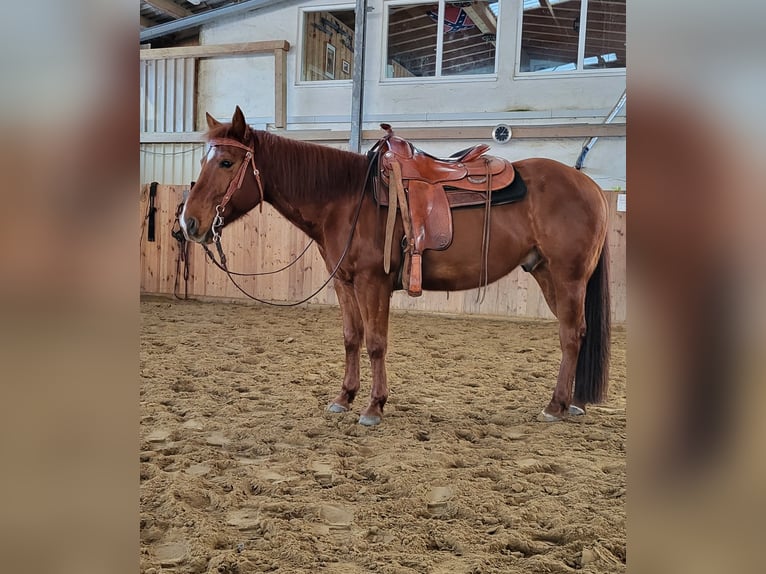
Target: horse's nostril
{"x": 191, "y": 225}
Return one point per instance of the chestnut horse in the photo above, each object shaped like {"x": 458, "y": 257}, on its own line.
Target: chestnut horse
{"x": 557, "y": 231}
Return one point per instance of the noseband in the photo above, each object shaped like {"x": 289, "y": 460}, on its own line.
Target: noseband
{"x": 236, "y": 182}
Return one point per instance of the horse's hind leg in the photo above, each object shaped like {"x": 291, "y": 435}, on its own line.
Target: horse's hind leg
{"x": 542, "y": 275}
{"x": 569, "y": 301}
{"x": 353, "y": 332}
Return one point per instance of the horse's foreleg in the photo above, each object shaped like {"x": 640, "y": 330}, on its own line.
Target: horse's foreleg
{"x": 570, "y": 303}
{"x": 374, "y": 298}
{"x": 353, "y": 331}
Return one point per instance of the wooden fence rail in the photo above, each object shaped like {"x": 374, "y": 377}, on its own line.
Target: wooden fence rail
{"x": 265, "y": 241}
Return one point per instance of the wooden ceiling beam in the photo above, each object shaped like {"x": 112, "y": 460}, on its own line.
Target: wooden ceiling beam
{"x": 422, "y": 28}
{"x": 170, "y": 8}
{"x": 482, "y": 16}
{"x": 215, "y": 50}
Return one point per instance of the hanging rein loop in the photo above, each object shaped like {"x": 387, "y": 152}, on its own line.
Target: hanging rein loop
{"x": 183, "y": 254}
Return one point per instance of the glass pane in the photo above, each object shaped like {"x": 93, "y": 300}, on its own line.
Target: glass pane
{"x": 470, "y": 29}
{"x": 549, "y": 36}
{"x": 328, "y": 45}
{"x": 411, "y": 41}
{"x": 605, "y": 34}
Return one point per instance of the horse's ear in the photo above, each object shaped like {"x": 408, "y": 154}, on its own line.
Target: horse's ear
{"x": 211, "y": 121}
{"x": 238, "y": 124}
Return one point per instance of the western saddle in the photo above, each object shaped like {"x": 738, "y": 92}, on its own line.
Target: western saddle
{"x": 424, "y": 189}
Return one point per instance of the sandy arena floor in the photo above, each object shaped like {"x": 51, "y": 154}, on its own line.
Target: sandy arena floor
{"x": 242, "y": 470}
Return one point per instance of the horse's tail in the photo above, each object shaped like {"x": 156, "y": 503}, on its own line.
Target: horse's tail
{"x": 592, "y": 374}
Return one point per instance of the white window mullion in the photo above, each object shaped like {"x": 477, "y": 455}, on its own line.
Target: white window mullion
{"x": 581, "y": 38}
{"x": 439, "y": 40}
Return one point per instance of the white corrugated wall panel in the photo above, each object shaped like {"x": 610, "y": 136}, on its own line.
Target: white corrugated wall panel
{"x": 167, "y": 105}
{"x": 167, "y": 95}
{"x": 171, "y": 164}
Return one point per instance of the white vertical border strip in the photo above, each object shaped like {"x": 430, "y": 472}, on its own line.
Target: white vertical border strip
{"x": 142, "y": 90}
{"x": 189, "y": 92}
{"x": 439, "y": 40}
{"x": 153, "y": 99}
{"x": 384, "y": 40}
{"x": 581, "y": 38}
{"x": 497, "y": 37}
{"x": 170, "y": 94}
{"x": 519, "y": 32}
{"x": 300, "y": 57}
{"x": 178, "y": 95}
{"x": 159, "y": 110}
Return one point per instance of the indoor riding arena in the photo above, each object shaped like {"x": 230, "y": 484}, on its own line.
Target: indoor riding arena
{"x": 465, "y": 449}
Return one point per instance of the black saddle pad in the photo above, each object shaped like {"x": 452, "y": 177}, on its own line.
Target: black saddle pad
{"x": 511, "y": 193}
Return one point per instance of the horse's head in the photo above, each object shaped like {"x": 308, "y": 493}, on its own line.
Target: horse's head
{"x": 228, "y": 185}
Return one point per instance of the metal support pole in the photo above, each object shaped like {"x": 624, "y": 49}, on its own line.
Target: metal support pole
{"x": 357, "y": 91}
{"x": 592, "y": 141}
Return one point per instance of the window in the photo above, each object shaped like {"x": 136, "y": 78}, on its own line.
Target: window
{"x": 328, "y": 41}
{"x": 572, "y": 35}
{"x": 439, "y": 39}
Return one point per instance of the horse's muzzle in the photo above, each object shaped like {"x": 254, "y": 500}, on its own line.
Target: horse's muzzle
{"x": 191, "y": 229}
{"x": 190, "y": 225}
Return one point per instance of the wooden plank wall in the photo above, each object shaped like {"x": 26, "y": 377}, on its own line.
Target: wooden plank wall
{"x": 266, "y": 242}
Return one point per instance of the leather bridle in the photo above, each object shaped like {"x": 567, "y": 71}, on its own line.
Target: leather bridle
{"x": 236, "y": 182}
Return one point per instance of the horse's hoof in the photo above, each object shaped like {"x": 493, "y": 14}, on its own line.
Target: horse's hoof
{"x": 336, "y": 408}
{"x": 576, "y": 411}
{"x": 544, "y": 417}
{"x": 369, "y": 421}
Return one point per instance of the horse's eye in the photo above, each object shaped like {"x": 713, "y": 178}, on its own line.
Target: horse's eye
{"x": 226, "y": 163}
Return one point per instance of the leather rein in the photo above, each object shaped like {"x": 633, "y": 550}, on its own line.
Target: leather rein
{"x": 234, "y": 185}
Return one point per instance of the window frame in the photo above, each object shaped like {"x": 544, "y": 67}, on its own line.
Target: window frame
{"x": 301, "y": 45}
{"x": 437, "y": 78}
{"x": 580, "y": 72}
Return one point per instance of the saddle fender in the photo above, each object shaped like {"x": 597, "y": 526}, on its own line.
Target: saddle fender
{"x": 430, "y": 215}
